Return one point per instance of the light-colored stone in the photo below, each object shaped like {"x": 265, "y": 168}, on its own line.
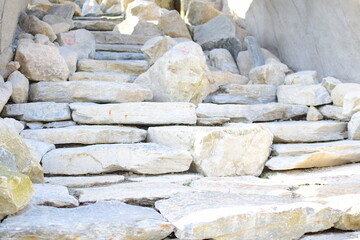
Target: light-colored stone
{"x": 292, "y": 156}
{"x": 94, "y": 25}
{"x": 5, "y": 93}
{"x": 114, "y": 220}
{"x": 137, "y": 26}
{"x": 179, "y": 75}
{"x": 7, "y": 160}
{"x": 41, "y": 62}
{"x": 55, "y": 19}
{"x": 311, "y": 95}
{"x": 132, "y": 67}
{"x": 219, "y": 78}
{"x": 60, "y": 124}
{"x": 105, "y": 37}
{"x": 85, "y": 181}
{"x": 119, "y": 48}
{"x": 143, "y": 158}
{"x": 171, "y": 24}
{"x": 140, "y": 193}
{"x": 25, "y": 162}
{"x": 16, "y": 191}
{"x": 134, "y": 113}
{"x": 33, "y": 25}
{"x": 223, "y": 61}
{"x": 43, "y": 112}
{"x": 62, "y": 10}
{"x": 351, "y": 103}
{"x": 339, "y": 92}
{"x": 219, "y": 151}
{"x": 302, "y": 78}
{"x": 314, "y": 114}
{"x": 86, "y": 135}
{"x": 333, "y": 236}
{"x": 20, "y": 87}
{"x": 156, "y": 47}
{"x": 251, "y": 113}
{"x": 16, "y": 125}
{"x": 70, "y": 57}
{"x": 38, "y": 149}
{"x": 243, "y": 94}
{"x": 88, "y": 91}
{"x": 81, "y": 41}
{"x": 330, "y": 83}
{"x": 354, "y": 127}
{"x": 204, "y": 215}
{"x": 61, "y": 27}
{"x": 334, "y": 112}
{"x": 146, "y": 10}
{"x": 52, "y": 195}
{"x": 215, "y": 121}
{"x": 200, "y": 12}
{"x": 182, "y": 179}
{"x": 319, "y": 131}
{"x": 103, "y": 55}
{"x": 101, "y": 77}
{"x": 42, "y": 39}
{"x": 272, "y": 73}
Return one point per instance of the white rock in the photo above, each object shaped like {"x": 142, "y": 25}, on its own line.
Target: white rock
{"x": 272, "y": 73}
{"x": 85, "y": 181}
{"x": 351, "y": 103}
{"x": 14, "y": 124}
{"x": 156, "y": 47}
{"x": 330, "y": 83}
{"x": 182, "y": 179}
{"x": 105, "y": 37}
{"x": 101, "y": 77}
{"x": 179, "y": 75}
{"x": 111, "y": 219}
{"x": 144, "y": 9}
{"x": 334, "y": 112}
{"x": 94, "y": 25}
{"x": 333, "y": 236}
{"x": 7, "y": 159}
{"x": 219, "y": 151}
{"x": 136, "y": 26}
{"x": 105, "y": 55}
{"x": 86, "y": 135}
{"x": 140, "y": 158}
{"x": 319, "y": 131}
{"x": 134, "y": 113}
{"x": 20, "y": 87}
{"x": 70, "y": 57}
{"x": 44, "y": 111}
{"x": 38, "y": 149}
{"x": 339, "y": 92}
{"x": 5, "y": 93}
{"x": 219, "y": 78}
{"x": 171, "y": 24}
{"x": 222, "y": 60}
{"x": 251, "y": 113}
{"x": 52, "y": 195}
{"x": 301, "y": 78}
{"x": 312, "y": 95}
{"x": 81, "y": 41}
{"x": 200, "y": 12}
{"x": 354, "y": 127}
{"x": 132, "y": 67}
{"x": 59, "y": 124}
{"x": 313, "y": 114}
{"x": 119, "y": 48}
{"x": 204, "y": 215}
{"x": 33, "y": 25}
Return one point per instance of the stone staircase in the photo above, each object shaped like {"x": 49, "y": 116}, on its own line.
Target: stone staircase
{"x": 103, "y": 142}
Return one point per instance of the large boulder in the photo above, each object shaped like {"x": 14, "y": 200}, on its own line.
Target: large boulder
{"x": 33, "y": 25}
{"x": 180, "y": 75}
{"x": 156, "y": 47}
{"x": 200, "y": 12}
{"x": 171, "y": 24}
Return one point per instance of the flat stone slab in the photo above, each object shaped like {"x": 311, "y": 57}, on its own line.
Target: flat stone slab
{"x": 292, "y": 156}
{"x": 311, "y": 95}
{"x": 119, "y": 48}
{"x": 88, "y": 91}
{"x": 42, "y": 111}
{"x": 216, "y": 215}
{"x": 182, "y": 179}
{"x": 143, "y": 158}
{"x": 134, "y": 113}
{"x": 86, "y": 135}
{"x": 319, "y": 131}
{"x": 38, "y": 148}
{"x": 251, "y": 113}
{"x": 119, "y": 56}
{"x": 105, "y": 37}
{"x": 85, "y": 181}
{"x": 334, "y": 112}
{"x": 53, "y": 195}
{"x": 94, "y": 25}
{"x": 133, "y": 67}
{"x": 102, "y": 77}
{"x": 332, "y": 236}
{"x": 142, "y": 193}
{"x": 114, "y": 220}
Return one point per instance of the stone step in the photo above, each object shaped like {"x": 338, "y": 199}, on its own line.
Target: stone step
{"x": 94, "y": 25}
{"x": 86, "y": 135}
{"x": 292, "y": 156}
{"x": 114, "y": 220}
{"x": 145, "y": 113}
{"x": 88, "y": 91}
{"x": 85, "y": 181}
{"x": 105, "y": 37}
{"x": 42, "y": 111}
{"x": 336, "y": 235}
{"x": 132, "y": 67}
{"x": 119, "y": 48}
{"x": 52, "y": 195}
{"x": 115, "y": 18}
{"x": 40, "y": 125}
{"x": 251, "y": 113}
{"x": 143, "y": 158}
{"x": 118, "y": 56}
{"x": 102, "y": 77}
{"x": 180, "y": 178}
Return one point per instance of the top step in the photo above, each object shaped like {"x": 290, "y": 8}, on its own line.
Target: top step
{"x": 94, "y": 25}
{"x": 108, "y": 37}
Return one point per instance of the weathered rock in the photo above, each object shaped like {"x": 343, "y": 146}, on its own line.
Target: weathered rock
{"x": 74, "y": 5}
{"x": 42, "y": 39}
{"x": 222, "y": 60}
{"x": 332, "y": 236}
{"x": 105, "y": 37}
{"x": 88, "y": 91}
{"x": 137, "y": 26}
{"x": 292, "y": 156}
{"x": 189, "y": 213}
{"x": 85, "y": 181}
{"x": 9, "y": 68}
{"x": 16, "y": 191}
{"x": 41, "y": 62}
{"x": 220, "y": 78}
{"x": 339, "y": 92}
{"x": 146, "y": 10}
{"x": 126, "y": 221}
{"x": 272, "y": 73}
{"x": 118, "y": 56}
{"x": 179, "y": 75}
{"x": 171, "y": 24}
{"x": 62, "y": 10}
{"x": 234, "y": 155}
{"x": 70, "y": 57}
{"x": 61, "y": 27}
{"x": 251, "y": 113}
{"x": 101, "y": 77}
{"x": 182, "y": 179}
{"x": 351, "y": 103}
{"x": 319, "y": 131}
{"x": 302, "y": 78}
{"x": 156, "y": 47}
{"x": 38, "y": 149}
{"x": 56, "y": 19}
{"x": 133, "y": 67}
{"x": 25, "y": 161}
{"x": 86, "y": 135}
{"x": 33, "y": 25}
{"x": 134, "y": 113}
{"x": 215, "y": 121}
{"x": 5, "y": 93}
{"x": 334, "y": 112}
{"x": 244, "y": 94}
{"x": 330, "y": 83}
{"x": 52, "y": 195}
{"x": 7, "y": 159}
{"x": 313, "y": 114}
{"x": 119, "y": 48}
{"x": 94, "y": 25}
{"x": 81, "y": 41}
{"x": 311, "y": 95}
{"x": 20, "y": 87}
{"x": 140, "y": 158}
{"x": 141, "y": 193}
{"x": 354, "y": 127}
{"x": 200, "y": 12}
{"x": 14, "y": 124}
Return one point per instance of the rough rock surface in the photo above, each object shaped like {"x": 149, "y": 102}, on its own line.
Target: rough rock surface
{"x": 354, "y": 127}
{"x": 20, "y": 87}
{"x": 156, "y": 47}
{"x": 101, "y": 76}
{"x": 33, "y": 25}
{"x": 136, "y": 26}
{"x": 200, "y": 12}
{"x": 222, "y": 60}
{"x": 146, "y": 10}
{"x": 171, "y": 24}
{"x": 273, "y": 72}
{"x": 38, "y": 149}
{"x": 6, "y": 92}
{"x": 52, "y": 195}
{"x": 311, "y": 95}
{"x": 133, "y": 67}
{"x": 339, "y": 92}
{"x": 302, "y": 78}
{"x": 244, "y": 62}
{"x": 85, "y": 181}
{"x": 81, "y": 41}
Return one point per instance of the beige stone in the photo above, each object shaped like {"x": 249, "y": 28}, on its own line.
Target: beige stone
{"x": 132, "y": 67}
{"x": 334, "y": 112}
{"x": 354, "y": 127}
{"x": 199, "y": 12}
{"x": 314, "y": 114}
{"x": 301, "y": 78}
{"x": 219, "y": 78}
{"x": 5, "y": 93}
{"x": 351, "y": 103}
{"x": 94, "y": 25}
{"x": 171, "y": 24}
{"x": 20, "y": 86}
{"x": 222, "y": 60}
{"x": 33, "y": 25}
{"x": 85, "y": 181}
{"x": 105, "y": 37}
{"x": 137, "y": 26}
{"x": 101, "y": 77}
{"x": 179, "y": 178}
{"x": 81, "y": 41}
{"x": 339, "y": 92}
{"x": 272, "y": 73}
{"x": 156, "y": 47}
{"x": 311, "y": 95}
{"x": 146, "y": 10}
{"x": 330, "y": 83}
